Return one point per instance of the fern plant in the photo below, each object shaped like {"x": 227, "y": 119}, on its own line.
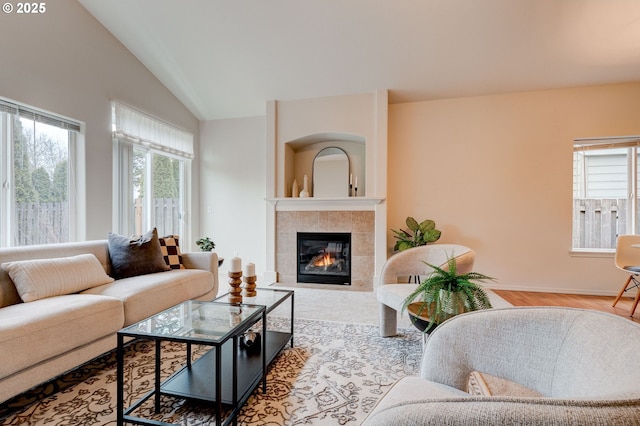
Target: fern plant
{"x": 424, "y": 233}
{"x": 445, "y": 293}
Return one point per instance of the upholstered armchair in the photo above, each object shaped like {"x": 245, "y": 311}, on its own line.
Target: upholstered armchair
{"x": 394, "y": 286}
{"x": 566, "y": 366}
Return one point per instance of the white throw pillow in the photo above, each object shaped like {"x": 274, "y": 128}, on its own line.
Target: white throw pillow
{"x": 41, "y": 278}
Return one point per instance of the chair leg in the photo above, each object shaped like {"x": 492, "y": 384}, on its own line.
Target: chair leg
{"x": 635, "y": 302}
{"x": 624, "y": 288}
{"x": 388, "y": 321}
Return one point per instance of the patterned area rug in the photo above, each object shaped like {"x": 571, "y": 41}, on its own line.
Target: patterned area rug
{"x": 334, "y": 375}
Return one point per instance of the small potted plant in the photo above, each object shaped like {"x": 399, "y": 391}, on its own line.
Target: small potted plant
{"x": 424, "y": 233}
{"x": 444, "y": 294}
{"x": 205, "y": 244}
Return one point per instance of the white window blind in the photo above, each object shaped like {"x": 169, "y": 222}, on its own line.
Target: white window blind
{"x": 38, "y": 116}
{"x": 139, "y": 128}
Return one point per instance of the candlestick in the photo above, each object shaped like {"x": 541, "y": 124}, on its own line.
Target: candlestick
{"x": 249, "y": 279}
{"x": 249, "y": 286}
{"x": 235, "y": 291}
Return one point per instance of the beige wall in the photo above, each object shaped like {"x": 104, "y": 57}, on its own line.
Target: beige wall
{"x": 233, "y": 191}
{"x": 495, "y": 173}
{"x": 65, "y": 62}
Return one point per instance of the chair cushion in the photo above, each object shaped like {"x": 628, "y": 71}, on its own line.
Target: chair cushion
{"x": 393, "y": 295}
{"x": 40, "y": 278}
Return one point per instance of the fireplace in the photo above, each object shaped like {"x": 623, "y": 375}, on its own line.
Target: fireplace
{"x": 324, "y": 257}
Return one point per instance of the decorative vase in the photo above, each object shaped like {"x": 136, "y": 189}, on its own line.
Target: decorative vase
{"x": 305, "y": 188}
{"x": 453, "y": 303}
{"x": 294, "y": 189}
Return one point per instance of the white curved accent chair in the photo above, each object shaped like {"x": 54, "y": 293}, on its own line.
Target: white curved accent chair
{"x": 582, "y": 362}
{"x": 627, "y": 259}
{"x": 394, "y": 284}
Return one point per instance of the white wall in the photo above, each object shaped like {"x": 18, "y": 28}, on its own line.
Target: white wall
{"x": 65, "y": 62}
{"x": 232, "y": 180}
{"x": 495, "y": 173}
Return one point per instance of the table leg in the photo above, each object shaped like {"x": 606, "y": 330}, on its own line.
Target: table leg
{"x": 219, "y": 385}
{"x": 157, "y": 375}
{"x": 292, "y": 306}
{"x": 264, "y": 351}
{"x": 120, "y": 380}
{"x": 234, "y": 354}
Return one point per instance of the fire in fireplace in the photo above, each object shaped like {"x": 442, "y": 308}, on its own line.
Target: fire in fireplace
{"x": 324, "y": 257}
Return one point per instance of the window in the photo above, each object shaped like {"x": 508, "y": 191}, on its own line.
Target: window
{"x": 152, "y": 162}
{"x": 38, "y": 201}
{"x": 605, "y": 196}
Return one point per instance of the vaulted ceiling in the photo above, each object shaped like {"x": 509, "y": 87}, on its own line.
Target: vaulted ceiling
{"x": 226, "y": 58}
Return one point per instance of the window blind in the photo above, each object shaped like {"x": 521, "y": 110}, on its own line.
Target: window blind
{"x": 605, "y": 143}
{"x": 139, "y": 128}
{"x": 39, "y": 116}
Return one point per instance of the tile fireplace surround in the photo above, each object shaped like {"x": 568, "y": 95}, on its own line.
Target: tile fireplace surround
{"x": 361, "y": 224}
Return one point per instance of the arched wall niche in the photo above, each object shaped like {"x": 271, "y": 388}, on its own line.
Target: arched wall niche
{"x": 300, "y": 153}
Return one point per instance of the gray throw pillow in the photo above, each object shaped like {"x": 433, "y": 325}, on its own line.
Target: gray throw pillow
{"x": 135, "y": 256}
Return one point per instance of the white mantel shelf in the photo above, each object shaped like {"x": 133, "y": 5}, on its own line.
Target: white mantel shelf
{"x": 325, "y": 204}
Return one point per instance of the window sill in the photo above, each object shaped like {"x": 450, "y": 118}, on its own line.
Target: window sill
{"x": 605, "y": 253}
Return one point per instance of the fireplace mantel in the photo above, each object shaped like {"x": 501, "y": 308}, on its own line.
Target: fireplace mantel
{"x": 325, "y": 204}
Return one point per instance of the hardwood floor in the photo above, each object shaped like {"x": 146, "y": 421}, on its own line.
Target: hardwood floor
{"x": 598, "y": 303}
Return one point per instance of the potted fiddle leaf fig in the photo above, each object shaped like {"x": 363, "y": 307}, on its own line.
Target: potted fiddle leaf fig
{"x": 424, "y": 233}
{"x": 444, "y": 294}
{"x": 206, "y": 244}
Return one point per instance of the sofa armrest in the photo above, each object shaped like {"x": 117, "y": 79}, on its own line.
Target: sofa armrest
{"x": 465, "y": 411}
{"x": 205, "y": 260}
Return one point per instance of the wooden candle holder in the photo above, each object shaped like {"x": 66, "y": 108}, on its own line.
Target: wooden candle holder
{"x": 235, "y": 291}
{"x": 249, "y": 286}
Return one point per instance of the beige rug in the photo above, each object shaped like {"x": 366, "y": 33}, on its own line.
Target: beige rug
{"x": 334, "y": 375}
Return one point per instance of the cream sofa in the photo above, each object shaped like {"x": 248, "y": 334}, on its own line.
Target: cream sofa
{"x": 44, "y": 338}
{"x": 567, "y": 367}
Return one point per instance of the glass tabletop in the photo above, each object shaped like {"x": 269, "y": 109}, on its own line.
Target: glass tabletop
{"x": 197, "y": 320}
{"x": 266, "y": 297}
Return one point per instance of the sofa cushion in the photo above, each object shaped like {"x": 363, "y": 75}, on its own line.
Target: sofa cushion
{"x": 40, "y": 278}
{"x": 149, "y": 294}
{"x": 171, "y": 251}
{"x": 135, "y": 256}
{"x": 36, "y": 331}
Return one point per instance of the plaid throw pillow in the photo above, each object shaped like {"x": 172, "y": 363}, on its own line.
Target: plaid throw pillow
{"x": 171, "y": 251}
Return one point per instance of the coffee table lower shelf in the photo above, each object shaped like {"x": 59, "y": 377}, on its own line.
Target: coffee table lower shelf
{"x": 197, "y": 382}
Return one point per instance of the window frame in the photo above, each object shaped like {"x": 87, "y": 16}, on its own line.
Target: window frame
{"x": 75, "y": 167}
{"x": 632, "y": 146}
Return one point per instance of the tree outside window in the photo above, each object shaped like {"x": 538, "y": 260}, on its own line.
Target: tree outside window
{"x": 35, "y": 171}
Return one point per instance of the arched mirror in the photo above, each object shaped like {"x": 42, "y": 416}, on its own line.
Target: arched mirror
{"x": 331, "y": 173}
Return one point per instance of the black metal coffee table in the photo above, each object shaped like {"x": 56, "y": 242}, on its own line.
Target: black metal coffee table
{"x": 225, "y": 375}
